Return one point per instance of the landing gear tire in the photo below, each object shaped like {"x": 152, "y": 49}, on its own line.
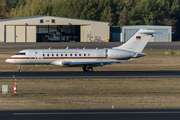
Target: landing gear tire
{"x": 90, "y": 69}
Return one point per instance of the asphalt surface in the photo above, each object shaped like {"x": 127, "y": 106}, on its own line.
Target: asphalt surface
{"x": 115, "y": 114}
{"x": 95, "y": 74}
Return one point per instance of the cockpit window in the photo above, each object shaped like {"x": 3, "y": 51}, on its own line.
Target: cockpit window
{"x": 20, "y": 53}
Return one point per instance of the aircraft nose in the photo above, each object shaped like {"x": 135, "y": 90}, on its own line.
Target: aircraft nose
{"x": 9, "y": 61}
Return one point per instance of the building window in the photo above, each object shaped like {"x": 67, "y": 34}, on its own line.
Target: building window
{"x": 41, "y": 21}
{"x": 53, "y": 21}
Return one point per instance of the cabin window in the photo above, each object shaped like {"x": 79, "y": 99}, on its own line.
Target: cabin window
{"x": 88, "y": 54}
{"x": 20, "y": 53}
{"x": 61, "y": 54}
{"x": 70, "y": 54}
{"x": 106, "y": 53}
{"x": 48, "y": 55}
{"x": 57, "y": 55}
{"x": 84, "y": 54}
{"x": 65, "y": 54}
{"x": 43, "y": 55}
{"x": 75, "y": 54}
{"x": 52, "y": 55}
{"x": 79, "y": 54}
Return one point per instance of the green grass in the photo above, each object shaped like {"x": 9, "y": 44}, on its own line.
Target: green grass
{"x": 92, "y": 94}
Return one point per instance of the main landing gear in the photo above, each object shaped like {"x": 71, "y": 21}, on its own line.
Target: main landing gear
{"x": 87, "y": 69}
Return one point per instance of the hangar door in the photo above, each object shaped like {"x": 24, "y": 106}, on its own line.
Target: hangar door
{"x": 31, "y": 33}
{"x": 10, "y": 34}
{"x": 21, "y": 33}
{"x": 86, "y": 33}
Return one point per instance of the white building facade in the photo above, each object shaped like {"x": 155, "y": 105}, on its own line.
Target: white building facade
{"x": 40, "y": 28}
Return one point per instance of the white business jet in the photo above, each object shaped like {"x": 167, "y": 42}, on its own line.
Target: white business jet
{"x": 86, "y": 58}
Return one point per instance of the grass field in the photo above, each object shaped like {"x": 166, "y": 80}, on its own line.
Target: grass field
{"x": 155, "y": 60}
{"x": 92, "y": 94}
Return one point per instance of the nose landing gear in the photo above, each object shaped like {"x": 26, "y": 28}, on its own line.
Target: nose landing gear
{"x": 19, "y": 69}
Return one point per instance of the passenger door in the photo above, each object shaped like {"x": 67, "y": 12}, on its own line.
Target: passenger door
{"x": 34, "y": 56}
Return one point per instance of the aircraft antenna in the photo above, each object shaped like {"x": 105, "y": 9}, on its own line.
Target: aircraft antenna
{"x": 67, "y": 48}
{"x": 49, "y": 48}
{"x": 84, "y": 48}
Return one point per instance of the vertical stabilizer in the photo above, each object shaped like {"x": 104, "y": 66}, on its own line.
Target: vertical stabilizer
{"x": 138, "y": 41}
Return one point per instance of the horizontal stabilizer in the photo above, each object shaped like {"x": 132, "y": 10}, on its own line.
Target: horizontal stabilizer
{"x": 154, "y": 32}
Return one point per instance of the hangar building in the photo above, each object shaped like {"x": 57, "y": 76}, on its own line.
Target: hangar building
{"x": 50, "y": 28}
{"x": 123, "y": 33}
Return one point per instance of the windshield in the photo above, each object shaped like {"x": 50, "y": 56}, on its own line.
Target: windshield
{"x": 20, "y": 53}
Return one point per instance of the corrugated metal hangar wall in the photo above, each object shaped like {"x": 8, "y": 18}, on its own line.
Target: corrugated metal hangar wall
{"x": 50, "y": 28}
{"x": 123, "y": 33}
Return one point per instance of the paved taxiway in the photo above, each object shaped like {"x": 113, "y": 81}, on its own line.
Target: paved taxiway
{"x": 95, "y": 74}
{"x": 115, "y": 114}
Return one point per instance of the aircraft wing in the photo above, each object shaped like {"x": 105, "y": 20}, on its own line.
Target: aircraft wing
{"x": 74, "y": 63}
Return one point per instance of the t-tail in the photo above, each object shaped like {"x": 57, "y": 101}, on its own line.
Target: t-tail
{"x": 138, "y": 41}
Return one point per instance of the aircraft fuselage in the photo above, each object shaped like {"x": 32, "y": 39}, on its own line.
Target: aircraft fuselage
{"x": 47, "y": 56}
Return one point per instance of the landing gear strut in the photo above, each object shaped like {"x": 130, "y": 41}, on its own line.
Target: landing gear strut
{"x": 19, "y": 69}
{"x": 88, "y": 69}
{"x": 84, "y": 69}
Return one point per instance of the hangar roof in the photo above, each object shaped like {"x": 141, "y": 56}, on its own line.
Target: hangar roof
{"x": 30, "y": 17}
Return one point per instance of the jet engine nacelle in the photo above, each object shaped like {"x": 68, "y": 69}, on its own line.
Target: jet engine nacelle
{"x": 120, "y": 54}
{"x": 58, "y": 63}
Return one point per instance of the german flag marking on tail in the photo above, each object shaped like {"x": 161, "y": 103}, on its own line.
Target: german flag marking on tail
{"x": 138, "y": 37}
